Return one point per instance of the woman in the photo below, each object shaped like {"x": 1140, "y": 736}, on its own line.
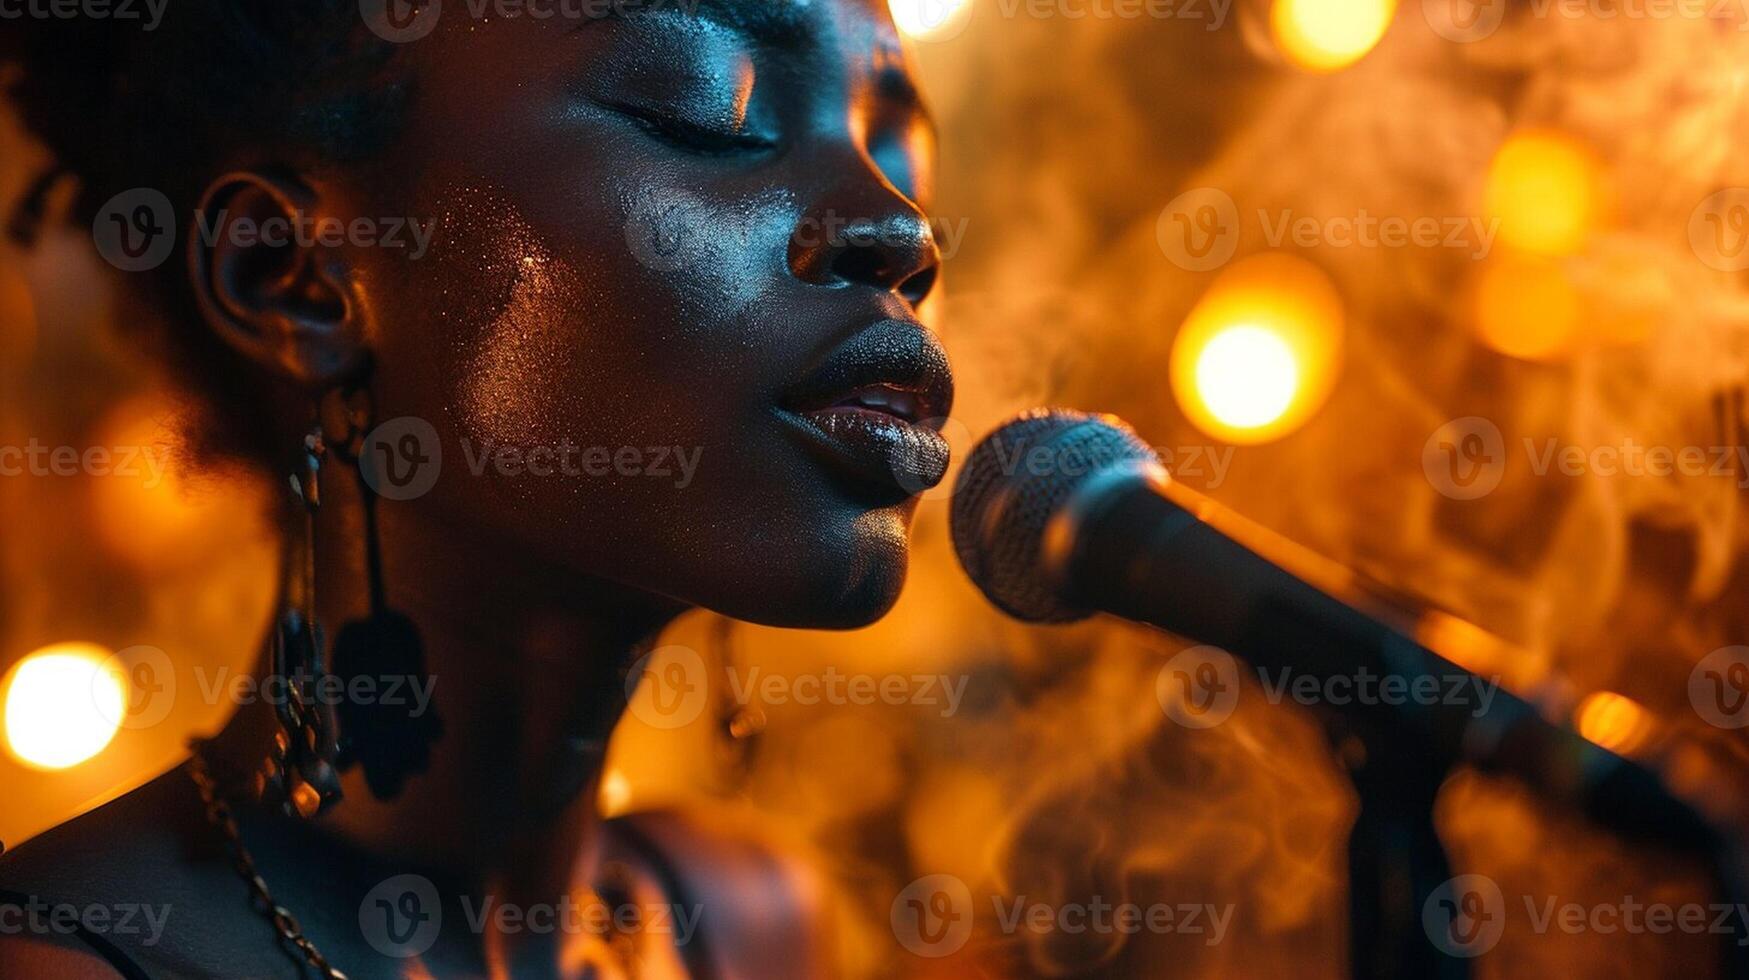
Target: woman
{"x": 693, "y": 225}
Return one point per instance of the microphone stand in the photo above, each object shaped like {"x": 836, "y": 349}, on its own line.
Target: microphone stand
{"x": 1395, "y": 857}
{"x": 1281, "y": 607}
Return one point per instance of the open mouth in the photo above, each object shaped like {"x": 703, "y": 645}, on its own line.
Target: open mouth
{"x": 877, "y": 406}
{"x": 890, "y": 400}
{"x": 894, "y": 368}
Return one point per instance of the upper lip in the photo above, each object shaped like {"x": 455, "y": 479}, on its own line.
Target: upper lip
{"x": 896, "y": 367}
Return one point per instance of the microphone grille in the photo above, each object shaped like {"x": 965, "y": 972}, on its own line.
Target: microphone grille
{"x": 1016, "y": 479}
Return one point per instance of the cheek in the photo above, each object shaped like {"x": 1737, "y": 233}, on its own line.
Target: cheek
{"x": 546, "y": 329}
{"x": 605, "y": 316}
{"x": 514, "y": 384}
{"x": 720, "y": 257}
{"x": 524, "y": 359}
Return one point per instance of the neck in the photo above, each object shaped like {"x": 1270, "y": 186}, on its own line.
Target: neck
{"x": 524, "y": 666}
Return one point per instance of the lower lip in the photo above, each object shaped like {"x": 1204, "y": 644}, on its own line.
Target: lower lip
{"x": 876, "y": 447}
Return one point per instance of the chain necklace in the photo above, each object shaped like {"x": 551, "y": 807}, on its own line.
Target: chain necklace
{"x": 218, "y": 813}
{"x": 620, "y": 946}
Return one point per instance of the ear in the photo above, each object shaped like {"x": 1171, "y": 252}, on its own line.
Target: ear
{"x": 267, "y": 285}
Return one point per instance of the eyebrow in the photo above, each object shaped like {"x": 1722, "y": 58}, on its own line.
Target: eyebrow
{"x": 777, "y": 23}
{"x": 894, "y": 84}
{"x": 780, "y": 21}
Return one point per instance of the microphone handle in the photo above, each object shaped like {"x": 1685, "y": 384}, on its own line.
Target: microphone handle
{"x": 1132, "y": 543}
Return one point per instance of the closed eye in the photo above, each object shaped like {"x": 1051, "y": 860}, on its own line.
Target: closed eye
{"x": 693, "y": 137}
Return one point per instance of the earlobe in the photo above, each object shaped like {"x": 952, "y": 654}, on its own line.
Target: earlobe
{"x": 267, "y": 285}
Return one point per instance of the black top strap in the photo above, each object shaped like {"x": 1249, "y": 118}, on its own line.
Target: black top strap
{"x": 110, "y": 952}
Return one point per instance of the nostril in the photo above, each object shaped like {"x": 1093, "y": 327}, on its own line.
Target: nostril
{"x": 895, "y": 254}
{"x": 916, "y": 288}
{"x": 903, "y": 262}
{"x": 863, "y": 265}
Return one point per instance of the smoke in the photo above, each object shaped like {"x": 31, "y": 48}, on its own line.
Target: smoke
{"x": 1062, "y": 141}
{"x": 1060, "y": 778}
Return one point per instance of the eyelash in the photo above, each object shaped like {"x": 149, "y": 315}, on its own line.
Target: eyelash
{"x": 691, "y": 137}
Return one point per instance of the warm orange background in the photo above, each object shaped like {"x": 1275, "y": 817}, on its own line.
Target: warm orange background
{"x": 1063, "y": 140}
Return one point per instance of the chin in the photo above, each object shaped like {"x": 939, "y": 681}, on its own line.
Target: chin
{"x": 876, "y": 555}
{"x": 850, "y": 578}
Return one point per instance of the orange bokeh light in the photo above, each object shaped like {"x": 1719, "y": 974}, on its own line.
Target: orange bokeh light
{"x": 1260, "y": 352}
{"x": 1545, "y": 190}
{"x": 1526, "y": 307}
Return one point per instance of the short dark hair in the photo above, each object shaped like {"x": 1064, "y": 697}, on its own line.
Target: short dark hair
{"x": 215, "y": 85}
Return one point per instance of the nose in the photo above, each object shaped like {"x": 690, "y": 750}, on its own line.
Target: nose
{"x": 869, "y": 236}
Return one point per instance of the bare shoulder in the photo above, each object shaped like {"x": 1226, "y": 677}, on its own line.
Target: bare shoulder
{"x": 103, "y": 888}
{"x": 27, "y": 956}
{"x": 760, "y": 910}
{"x": 122, "y": 849}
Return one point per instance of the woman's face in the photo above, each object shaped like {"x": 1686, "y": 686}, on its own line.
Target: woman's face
{"x": 667, "y": 328}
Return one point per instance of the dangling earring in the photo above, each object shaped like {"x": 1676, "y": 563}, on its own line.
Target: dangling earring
{"x": 299, "y": 773}
{"x": 389, "y": 741}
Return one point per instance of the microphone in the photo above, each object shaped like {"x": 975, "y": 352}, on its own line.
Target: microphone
{"x": 1058, "y": 515}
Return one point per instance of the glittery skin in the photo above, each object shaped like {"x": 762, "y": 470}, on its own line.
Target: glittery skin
{"x": 652, "y": 229}
{"x": 552, "y": 308}
{"x": 518, "y": 356}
